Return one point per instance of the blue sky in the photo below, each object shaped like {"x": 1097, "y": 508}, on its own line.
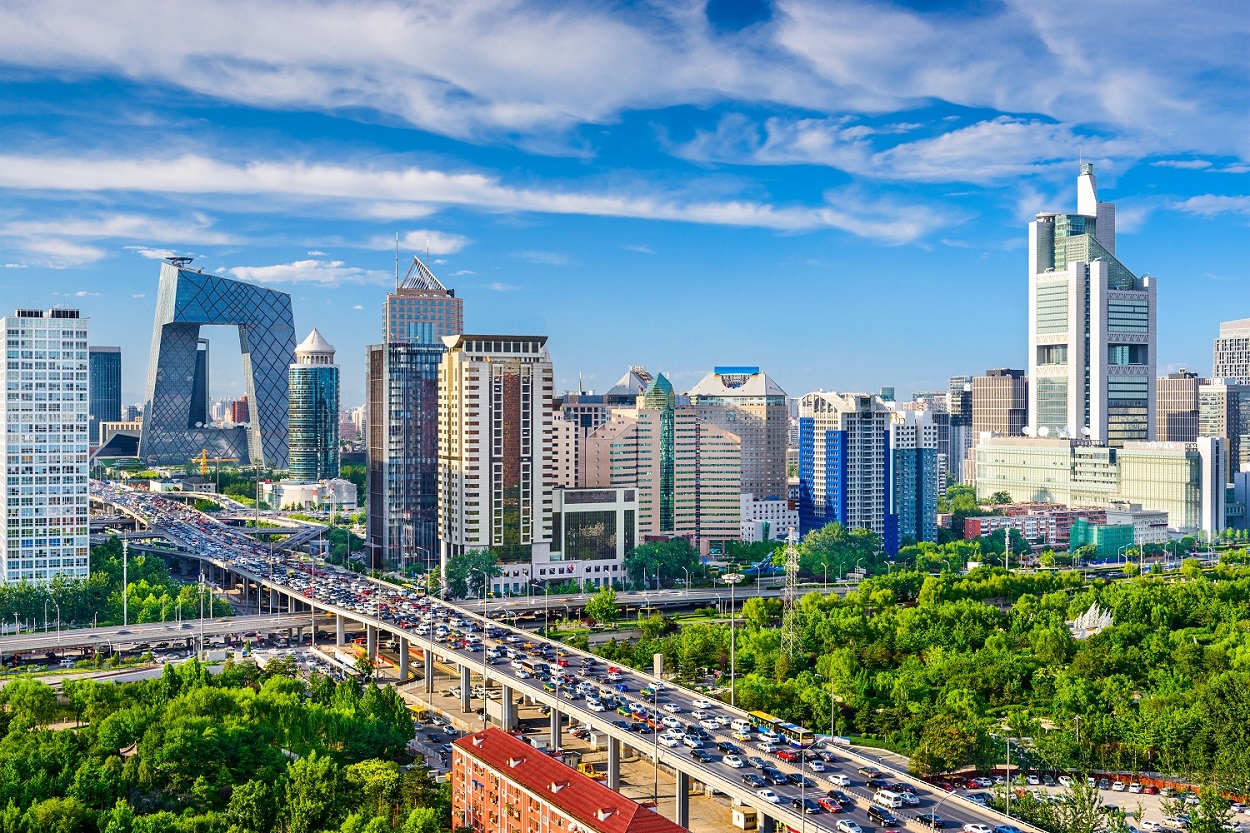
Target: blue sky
{"x": 835, "y": 191}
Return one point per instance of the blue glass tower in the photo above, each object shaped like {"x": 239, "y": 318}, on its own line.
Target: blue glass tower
{"x": 105, "y": 391}
{"x": 313, "y": 435}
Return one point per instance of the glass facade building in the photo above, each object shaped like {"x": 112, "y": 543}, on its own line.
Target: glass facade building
{"x": 105, "y": 369}
{"x": 314, "y": 398}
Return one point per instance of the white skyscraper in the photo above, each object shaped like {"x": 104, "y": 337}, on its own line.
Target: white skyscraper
{"x": 1232, "y": 352}
{"x": 46, "y": 414}
{"x": 1091, "y": 327}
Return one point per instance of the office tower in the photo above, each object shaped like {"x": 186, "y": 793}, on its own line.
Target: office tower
{"x": 130, "y": 413}
{"x": 1224, "y": 411}
{"x": 45, "y": 414}
{"x": 421, "y": 310}
{"x": 1176, "y": 407}
{"x": 1232, "y": 352}
{"x": 565, "y": 444}
{"x": 887, "y": 393}
{"x": 687, "y": 471}
{"x": 1091, "y": 327}
{"x": 588, "y": 410}
{"x": 106, "y": 388}
{"x": 752, "y": 406}
{"x": 1000, "y": 403}
{"x": 914, "y": 484}
{"x": 188, "y": 299}
{"x": 959, "y": 435}
{"x": 495, "y": 405}
{"x": 400, "y": 419}
{"x": 844, "y": 464}
{"x": 314, "y": 410}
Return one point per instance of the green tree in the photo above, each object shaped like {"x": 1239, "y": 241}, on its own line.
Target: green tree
{"x": 464, "y": 572}
{"x": 365, "y": 667}
{"x": 314, "y": 799}
{"x": 253, "y": 807}
{"x": 602, "y": 608}
{"x": 31, "y": 703}
{"x": 761, "y": 612}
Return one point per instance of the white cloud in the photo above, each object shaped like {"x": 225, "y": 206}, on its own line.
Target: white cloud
{"x": 498, "y": 286}
{"x": 461, "y": 272}
{"x": 138, "y": 294}
{"x": 315, "y": 253}
{"x": 56, "y": 253}
{"x": 1182, "y": 164}
{"x": 323, "y": 272}
{"x": 421, "y": 241}
{"x": 1211, "y": 205}
{"x": 152, "y": 254}
{"x": 543, "y": 258}
{"x": 639, "y": 247}
{"x": 196, "y": 229}
{"x": 358, "y": 306}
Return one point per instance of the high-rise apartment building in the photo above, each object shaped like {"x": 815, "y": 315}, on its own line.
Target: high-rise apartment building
{"x": 239, "y": 411}
{"x": 400, "y": 420}
{"x": 844, "y": 464}
{"x": 914, "y": 483}
{"x": 959, "y": 433}
{"x": 106, "y": 388}
{"x": 1224, "y": 411}
{"x": 565, "y": 453}
{"x": 687, "y": 471}
{"x": 313, "y": 443}
{"x": 1000, "y": 403}
{"x": 1091, "y": 328}
{"x": 46, "y": 412}
{"x": 1176, "y": 407}
{"x": 495, "y": 408}
{"x": 1232, "y": 352}
{"x": 752, "y": 406}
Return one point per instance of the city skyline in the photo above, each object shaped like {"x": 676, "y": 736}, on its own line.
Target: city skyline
{"x": 557, "y": 181}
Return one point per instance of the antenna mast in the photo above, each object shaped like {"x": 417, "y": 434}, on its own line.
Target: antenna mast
{"x": 396, "y": 261}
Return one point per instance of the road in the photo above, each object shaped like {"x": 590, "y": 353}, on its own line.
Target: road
{"x": 397, "y": 612}
{"x": 151, "y": 632}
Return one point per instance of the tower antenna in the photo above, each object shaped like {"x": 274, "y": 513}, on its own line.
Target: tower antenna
{"x": 396, "y": 261}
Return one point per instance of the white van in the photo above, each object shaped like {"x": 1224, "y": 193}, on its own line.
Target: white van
{"x": 741, "y": 725}
{"x": 885, "y": 798}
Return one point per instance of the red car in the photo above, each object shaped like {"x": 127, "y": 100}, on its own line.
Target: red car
{"x": 1150, "y": 789}
{"x": 829, "y": 804}
{"x": 788, "y": 755}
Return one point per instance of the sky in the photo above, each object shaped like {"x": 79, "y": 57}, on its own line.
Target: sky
{"x": 837, "y": 191}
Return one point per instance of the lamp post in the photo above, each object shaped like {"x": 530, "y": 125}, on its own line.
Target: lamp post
{"x": 58, "y": 621}
{"x": 732, "y": 579}
{"x": 687, "y": 572}
{"x": 45, "y": 617}
{"x": 825, "y": 587}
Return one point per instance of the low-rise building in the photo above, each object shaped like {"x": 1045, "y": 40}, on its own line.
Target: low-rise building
{"x": 1043, "y": 524}
{"x": 283, "y": 495}
{"x": 501, "y": 784}
{"x": 1150, "y": 526}
{"x": 1108, "y": 539}
{"x": 768, "y": 520}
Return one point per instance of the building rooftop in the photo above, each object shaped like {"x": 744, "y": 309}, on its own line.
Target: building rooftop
{"x": 315, "y": 343}
{"x": 736, "y": 381}
{"x": 590, "y": 803}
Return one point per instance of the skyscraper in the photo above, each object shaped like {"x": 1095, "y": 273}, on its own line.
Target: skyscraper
{"x": 1224, "y": 411}
{"x": 914, "y": 484}
{"x": 844, "y": 464}
{"x": 45, "y": 414}
{"x": 175, "y": 406}
{"x": 751, "y": 405}
{"x": 1176, "y": 407}
{"x": 1000, "y": 403}
{"x": 314, "y": 410}
{"x": 106, "y": 388}
{"x": 495, "y": 407}
{"x": 959, "y": 431}
{"x": 1232, "y": 352}
{"x": 1091, "y": 327}
{"x": 401, "y": 418}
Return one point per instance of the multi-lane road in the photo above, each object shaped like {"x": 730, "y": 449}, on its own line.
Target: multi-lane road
{"x": 384, "y": 609}
{"x": 152, "y": 633}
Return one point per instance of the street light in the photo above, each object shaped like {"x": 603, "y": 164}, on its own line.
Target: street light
{"x": 687, "y": 572}
{"x": 732, "y": 579}
{"x": 58, "y": 621}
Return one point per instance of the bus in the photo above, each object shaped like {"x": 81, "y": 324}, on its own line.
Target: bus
{"x": 765, "y": 722}
{"x": 793, "y": 734}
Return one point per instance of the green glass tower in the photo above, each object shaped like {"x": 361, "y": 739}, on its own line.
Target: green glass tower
{"x": 659, "y": 395}
{"x": 314, "y": 408}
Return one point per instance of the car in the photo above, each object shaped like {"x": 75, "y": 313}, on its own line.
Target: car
{"x": 769, "y": 796}
{"x": 1175, "y": 823}
{"x": 765, "y": 746}
{"x": 869, "y": 771}
{"x": 692, "y": 742}
{"x": 1135, "y": 788}
{"x": 1065, "y": 781}
{"x": 1006, "y": 828}
{"x": 702, "y": 755}
{"x": 703, "y": 704}
{"x": 882, "y": 816}
{"x": 910, "y": 798}
{"x": 726, "y": 746}
{"x": 932, "y": 820}
{"x": 668, "y": 740}
{"x": 649, "y": 691}
{"x": 671, "y": 708}
{"x": 798, "y": 779}
{"x": 775, "y": 776}
{"x": 753, "y": 780}
{"x": 1033, "y": 780}
{"x": 1151, "y": 826}
{"x": 788, "y": 755}
{"x": 976, "y": 827}
{"x": 733, "y": 761}
{"x": 841, "y": 798}
{"x": 521, "y": 674}
{"x": 721, "y": 720}
{"x": 829, "y": 804}
{"x": 840, "y": 779}
{"x": 979, "y": 798}
{"x": 757, "y": 762}
{"x": 806, "y": 805}
{"x": 848, "y": 826}
{"x": 1048, "y": 781}
{"x": 621, "y": 687}
{"x": 740, "y": 735}
{"x": 710, "y": 725}
{"x": 671, "y": 722}
{"x": 595, "y": 706}
{"x": 816, "y": 766}
{"x": 876, "y": 783}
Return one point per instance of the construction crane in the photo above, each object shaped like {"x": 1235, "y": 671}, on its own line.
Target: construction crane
{"x": 204, "y": 460}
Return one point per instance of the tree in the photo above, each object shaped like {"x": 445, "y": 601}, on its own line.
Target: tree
{"x": 662, "y": 561}
{"x": 253, "y": 807}
{"x": 31, "y": 703}
{"x": 948, "y": 743}
{"x": 1082, "y": 811}
{"x": 602, "y": 608}
{"x": 464, "y": 572}
{"x": 313, "y": 795}
{"x": 365, "y": 666}
{"x": 1191, "y": 568}
{"x": 761, "y": 612}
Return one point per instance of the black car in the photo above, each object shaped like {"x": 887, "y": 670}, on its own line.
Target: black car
{"x": 827, "y": 756}
{"x": 775, "y": 776}
{"x": 931, "y": 820}
{"x": 702, "y": 755}
{"x": 882, "y": 816}
{"x": 877, "y": 784}
{"x": 806, "y": 805}
{"x": 797, "y": 779}
{"x": 621, "y": 724}
{"x": 754, "y": 781}
{"x": 727, "y": 747}
{"x": 841, "y": 797}
{"x": 869, "y": 771}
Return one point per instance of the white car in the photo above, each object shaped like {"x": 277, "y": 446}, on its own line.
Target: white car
{"x": 703, "y": 704}
{"x": 668, "y": 740}
{"x": 847, "y": 826}
{"x": 1118, "y": 786}
{"x": 671, "y": 722}
{"x": 734, "y": 761}
{"x": 769, "y": 748}
{"x": 595, "y": 706}
{"x": 816, "y": 766}
{"x": 1065, "y": 781}
{"x": 769, "y": 796}
{"x": 975, "y": 827}
{"x": 721, "y": 720}
{"x": 670, "y": 708}
{"x": 700, "y": 715}
{"x": 1151, "y": 826}
{"x": 840, "y": 780}
{"x": 710, "y": 725}
{"x": 1135, "y": 788}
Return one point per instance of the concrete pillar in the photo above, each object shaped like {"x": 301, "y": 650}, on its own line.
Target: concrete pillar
{"x": 507, "y": 701}
{"x": 466, "y": 687}
{"x": 371, "y": 641}
{"x": 766, "y": 823}
{"x": 681, "y": 809}
{"x": 340, "y": 630}
{"x": 429, "y": 671}
{"x": 403, "y": 660}
{"x": 614, "y": 764}
{"x": 557, "y": 724}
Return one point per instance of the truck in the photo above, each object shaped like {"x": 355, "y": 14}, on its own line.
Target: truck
{"x": 597, "y": 771}
{"x": 494, "y": 710}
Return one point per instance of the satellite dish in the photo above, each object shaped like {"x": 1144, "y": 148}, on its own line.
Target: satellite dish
{"x": 199, "y": 425}
{"x": 1043, "y": 431}
{"x": 1028, "y": 431}
{"x": 1086, "y": 431}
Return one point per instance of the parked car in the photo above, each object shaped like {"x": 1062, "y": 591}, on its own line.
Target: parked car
{"x": 1135, "y": 788}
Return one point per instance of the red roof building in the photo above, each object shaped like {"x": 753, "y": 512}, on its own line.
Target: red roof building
{"x": 501, "y": 784}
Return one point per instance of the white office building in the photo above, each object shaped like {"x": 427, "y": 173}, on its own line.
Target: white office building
{"x": 46, "y": 413}
{"x": 1091, "y": 328}
{"x": 770, "y": 519}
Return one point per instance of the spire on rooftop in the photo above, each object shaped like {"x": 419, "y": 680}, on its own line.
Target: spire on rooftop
{"x": 420, "y": 277}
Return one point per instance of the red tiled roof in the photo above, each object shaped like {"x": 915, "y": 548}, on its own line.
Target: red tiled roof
{"x": 581, "y": 797}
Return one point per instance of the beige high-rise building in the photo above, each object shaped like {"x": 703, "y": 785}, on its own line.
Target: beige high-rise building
{"x": 1176, "y": 407}
{"x": 1232, "y": 352}
{"x": 687, "y": 471}
{"x": 1224, "y": 411}
{"x": 750, "y": 404}
{"x": 565, "y": 444}
{"x": 1000, "y": 402}
{"x": 495, "y": 405}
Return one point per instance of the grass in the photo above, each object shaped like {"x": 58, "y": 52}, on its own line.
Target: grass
{"x": 877, "y": 743}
